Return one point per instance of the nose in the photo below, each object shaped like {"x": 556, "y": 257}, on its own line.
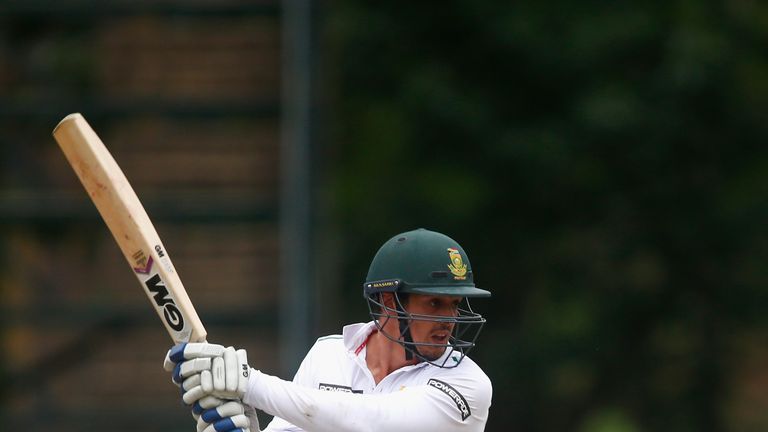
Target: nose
{"x": 449, "y": 311}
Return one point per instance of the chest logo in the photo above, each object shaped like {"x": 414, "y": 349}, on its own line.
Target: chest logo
{"x": 337, "y": 388}
{"x": 457, "y": 266}
{"x": 457, "y": 398}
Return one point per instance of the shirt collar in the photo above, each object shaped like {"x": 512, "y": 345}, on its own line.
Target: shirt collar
{"x": 354, "y": 335}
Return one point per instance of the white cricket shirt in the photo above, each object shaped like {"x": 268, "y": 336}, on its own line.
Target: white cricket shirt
{"x": 334, "y": 391}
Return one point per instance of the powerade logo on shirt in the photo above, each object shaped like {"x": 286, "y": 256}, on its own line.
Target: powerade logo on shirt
{"x": 461, "y": 403}
{"x": 337, "y": 388}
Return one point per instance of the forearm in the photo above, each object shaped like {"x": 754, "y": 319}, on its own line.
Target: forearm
{"x": 319, "y": 411}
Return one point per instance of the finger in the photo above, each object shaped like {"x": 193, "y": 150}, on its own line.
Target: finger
{"x": 203, "y": 427}
{"x": 228, "y": 424}
{"x": 244, "y": 372}
{"x": 193, "y": 350}
{"x": 229, "y": 409}
{"x": 202, "y": 349}
{"x": 205, "y": 403}
{"x": 240, "y": 421}
{"x": 219, "y": 374}
{"x": 201, "y": 424}
{"x": 190, "y": 396}
{"x": 232, "y": 369}
{"x": 189, "y": 368}
{"x": 206, "y": 381}
{"x": 176, "y": 376}
{"x": 192, "y": 381}
{"x": 169, "y": 364}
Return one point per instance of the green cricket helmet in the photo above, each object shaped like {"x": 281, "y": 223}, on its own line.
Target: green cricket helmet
{"x": 427, "y": 263}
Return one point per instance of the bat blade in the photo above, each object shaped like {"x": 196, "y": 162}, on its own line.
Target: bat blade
{"x": 131, "y": 227}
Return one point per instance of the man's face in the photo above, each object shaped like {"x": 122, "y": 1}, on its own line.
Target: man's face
{"x": 431, "y": 332}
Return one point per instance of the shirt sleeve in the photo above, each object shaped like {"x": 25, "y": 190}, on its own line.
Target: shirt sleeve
{"x": 304, "y": 378}
{"x": 460, "y": 406}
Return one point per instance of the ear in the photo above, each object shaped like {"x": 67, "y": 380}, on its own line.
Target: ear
{"x": 388, "y": 300}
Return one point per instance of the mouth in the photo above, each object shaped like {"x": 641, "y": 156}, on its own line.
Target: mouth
{"x": 440, "y": 337}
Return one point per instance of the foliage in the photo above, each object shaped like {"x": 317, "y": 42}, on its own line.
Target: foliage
{"x": 605, "y": 167}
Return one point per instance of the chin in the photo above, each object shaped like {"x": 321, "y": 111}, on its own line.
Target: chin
{"x": 433, "y": 355}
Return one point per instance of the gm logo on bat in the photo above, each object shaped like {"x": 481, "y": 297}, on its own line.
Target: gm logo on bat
{"x": 160, "y": 295}
{"x": 156, "y": 288}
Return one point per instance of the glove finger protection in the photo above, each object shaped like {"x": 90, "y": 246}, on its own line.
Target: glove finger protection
{"x": 206, "y": 403}
{"x": 228, "y": 409}
{"x": 193, "y": 395}
{"x": 206, "y": 381}
{"x": 219, "y": 423}
{"x": 231, "y": 364}
{"x": 230, "y": 374}
{"x": 210, "y": 410}
{"x": 219, "y": 372}
{"x": 200, "y": 385}
{"x": 188, "y": 351}
{"x": 188, "y": 368}
{"x": 191, "y": 382}
{"x": 224, "y": 375}
{"x": 197, "y": 386}
{"x": 238, "y": 422}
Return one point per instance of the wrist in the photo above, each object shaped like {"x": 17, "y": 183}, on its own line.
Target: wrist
{"x": 251, "y": 395}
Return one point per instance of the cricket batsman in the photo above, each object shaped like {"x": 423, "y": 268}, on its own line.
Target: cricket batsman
{"x": 405, "y": 370}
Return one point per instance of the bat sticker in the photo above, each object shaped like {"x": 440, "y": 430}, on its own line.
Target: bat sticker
{"x": 146, "y": 268}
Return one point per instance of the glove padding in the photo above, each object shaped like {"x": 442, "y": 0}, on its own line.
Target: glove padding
{"x": 232, "y": 416}
{"x": 208, "y": 375}
{"x": 205, "y": 403}
{"x": 203, "y": 369}
{"x": 182, "y": 353}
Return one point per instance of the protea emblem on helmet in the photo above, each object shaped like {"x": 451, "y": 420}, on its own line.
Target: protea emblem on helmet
{"x": 457, "y": 266}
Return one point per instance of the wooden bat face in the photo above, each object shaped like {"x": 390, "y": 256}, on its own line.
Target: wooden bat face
{"x": 132, "y": 229}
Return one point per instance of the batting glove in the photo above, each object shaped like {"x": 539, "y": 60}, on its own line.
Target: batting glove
{"x": 232, "y": 416}
{"x": 203, "y": 369}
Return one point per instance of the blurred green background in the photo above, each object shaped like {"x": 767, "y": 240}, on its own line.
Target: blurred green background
{"x": 604, "y": 166}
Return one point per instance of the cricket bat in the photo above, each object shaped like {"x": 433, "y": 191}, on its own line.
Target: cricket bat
{"x": 133, "y": 230}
